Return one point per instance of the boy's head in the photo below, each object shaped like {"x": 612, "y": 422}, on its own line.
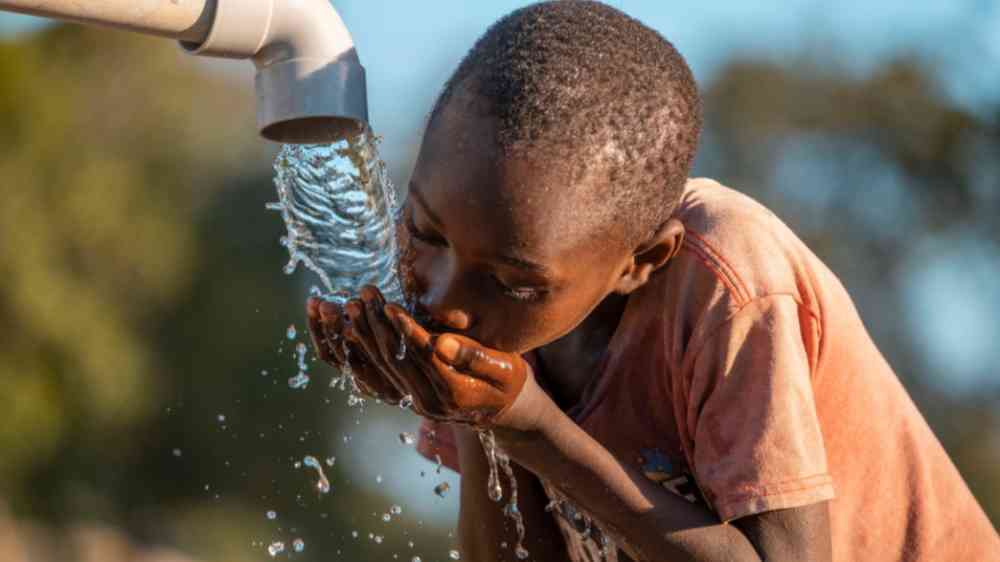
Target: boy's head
{"x": 550, "y": 167}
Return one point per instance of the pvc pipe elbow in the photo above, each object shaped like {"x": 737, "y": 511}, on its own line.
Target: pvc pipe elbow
{"x": 310, "y": 84}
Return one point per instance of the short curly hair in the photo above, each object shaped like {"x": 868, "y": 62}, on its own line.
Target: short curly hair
{"x": 597, "y": 90}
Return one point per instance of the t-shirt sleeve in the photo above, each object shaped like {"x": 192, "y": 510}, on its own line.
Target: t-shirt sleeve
{"x": 757, "y": 444}
{"x": 436, "y": 443}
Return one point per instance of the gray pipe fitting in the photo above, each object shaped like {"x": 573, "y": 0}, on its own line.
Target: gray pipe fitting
{"x": 310, "y": 84}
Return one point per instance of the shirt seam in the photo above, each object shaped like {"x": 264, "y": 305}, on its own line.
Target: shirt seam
{"x": 719, "y": 265}
{"x": 711, "y": 333}
{"x": 732, "y": 499}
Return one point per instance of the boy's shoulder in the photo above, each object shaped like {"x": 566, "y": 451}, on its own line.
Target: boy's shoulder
{"x": 745, "y": 246}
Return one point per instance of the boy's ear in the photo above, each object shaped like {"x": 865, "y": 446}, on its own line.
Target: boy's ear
{"x": 650, "y": 256}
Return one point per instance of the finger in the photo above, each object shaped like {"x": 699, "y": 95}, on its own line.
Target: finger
{"x": 414, "y": 332}
{"x": 363, "y": 337}
{"x": 419, "y": 344}
{"x": 386, "y": 337}
{"x": 316, "y": 334}
{"x": 469, "y": 357}
{"x": 331, "y": 328}
{"x": 477, "y": 399}
{"x": 368, "y": 379}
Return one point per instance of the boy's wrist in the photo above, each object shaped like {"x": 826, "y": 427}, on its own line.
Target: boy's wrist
{"x": 525, "y": 420}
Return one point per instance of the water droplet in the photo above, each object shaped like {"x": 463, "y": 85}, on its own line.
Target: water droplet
{"x": 395, "y": 510}
{"x": 406, "y": 402}
{"x": 177, "y": 452}
{"x": 378, "y": 539}
{"x": 300, "y": 352}
{"x": 493, "y": 488}
{"x": 272, "y": 515}
{"x": 454, "y": 555}
{"x": 410, "y": 544}
{"x": 291, "y": 332}
{"x": 442, "y": 489}
{"x": 263, "y": 372}
{"x": 378, "y": 478}
{"x": 276, "y": 548}
{"x": 354, "y": 534}
{"x": 386, "y": 517}
{"x": 415, "y": 559}
{"x": 407, "y": 438}
{"x": 323, "y": 485}
{"x": 298, "y": 545}
{"x": 521, "y": 552}
{"x": 299, "y": 381}
{"x": 221, "y": 418}
{"x": 401, "y": 351}
{"x": 330, "y": 461}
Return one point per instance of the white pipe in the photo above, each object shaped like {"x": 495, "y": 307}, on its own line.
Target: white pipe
{"x": 310, "y": 83}
{"x": 187, "y": 20}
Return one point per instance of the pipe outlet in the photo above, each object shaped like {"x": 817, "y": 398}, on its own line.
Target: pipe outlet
{"x": 310, "y": 84}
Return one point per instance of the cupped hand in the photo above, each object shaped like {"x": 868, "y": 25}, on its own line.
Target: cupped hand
{"x": 329, "y": 329}
{"x": 447, "y": 376}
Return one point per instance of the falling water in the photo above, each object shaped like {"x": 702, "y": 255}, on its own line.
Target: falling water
{"x": 498, "y": 459}
{"x": 512, "y": 510}
{"x": 493, "y": 488}
{"x": 339, "y": 207}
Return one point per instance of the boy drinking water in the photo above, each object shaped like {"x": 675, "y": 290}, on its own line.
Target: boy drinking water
{"x": 660, "y": 354}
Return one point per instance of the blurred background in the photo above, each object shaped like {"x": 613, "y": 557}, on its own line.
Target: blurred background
{"x": 144, "y": 355}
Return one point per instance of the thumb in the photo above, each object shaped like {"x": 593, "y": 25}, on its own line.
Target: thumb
{"x": 470, "y": 357}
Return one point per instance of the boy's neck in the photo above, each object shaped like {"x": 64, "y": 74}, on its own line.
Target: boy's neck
{"x": 570, "y": 363}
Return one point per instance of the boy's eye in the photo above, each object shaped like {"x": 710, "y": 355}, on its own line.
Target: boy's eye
{"x": 432, "y": 239}
{"x": 519, "y": 293}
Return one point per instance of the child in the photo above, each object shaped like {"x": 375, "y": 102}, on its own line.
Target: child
{"x": 661, "y": 354}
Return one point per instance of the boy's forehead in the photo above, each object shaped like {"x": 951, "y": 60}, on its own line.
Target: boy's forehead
{"x": 530, "y": 199}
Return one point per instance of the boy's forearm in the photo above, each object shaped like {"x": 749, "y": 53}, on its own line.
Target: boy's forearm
{"x": 649, "y": 522}
{"x": 482, "y": 526}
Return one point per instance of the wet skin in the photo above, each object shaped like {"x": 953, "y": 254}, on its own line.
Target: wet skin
{"x": 496, "y": 258}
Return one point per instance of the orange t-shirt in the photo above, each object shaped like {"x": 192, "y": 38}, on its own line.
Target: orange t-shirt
{"x": 741, "y": 376}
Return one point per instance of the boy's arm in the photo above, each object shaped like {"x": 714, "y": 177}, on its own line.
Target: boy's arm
{"x": 649, "y": 522}
{"x": 482, "y": 526}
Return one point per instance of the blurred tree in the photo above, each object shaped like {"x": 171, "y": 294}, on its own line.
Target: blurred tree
{"x": 142, "y": 299}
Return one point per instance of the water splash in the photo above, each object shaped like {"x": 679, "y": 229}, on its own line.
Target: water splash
{"x": 323, "y": 485}
{"x": 406, "y": 402}
{"x": 493, "y": 488}
{"x": 401, "y": 351}
{"x": 301, "y": 380}
{"x": 442, "y": 489}
{"x": 512, "y": 511}
{"x": 275, "y": 548}
{"x": 339, "y": 208}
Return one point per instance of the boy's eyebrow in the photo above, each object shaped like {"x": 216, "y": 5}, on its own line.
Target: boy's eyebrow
{"x": 525, "y": 264}
{"x": 419, "y": 198}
